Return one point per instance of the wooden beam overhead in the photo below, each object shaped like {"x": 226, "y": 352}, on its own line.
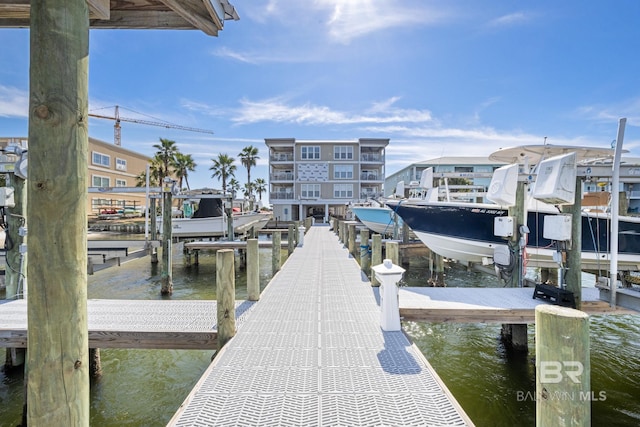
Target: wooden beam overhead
{"x": 133, "y": 14}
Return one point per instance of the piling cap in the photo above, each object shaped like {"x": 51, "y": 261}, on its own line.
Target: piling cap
{"x": 387, "y": 267}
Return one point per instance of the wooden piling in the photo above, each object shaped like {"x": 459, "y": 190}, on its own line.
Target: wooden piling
{"x": 515, "y": 336}
{"x": 291, "y": 243}
{"x": 95, "y": 363}
{"x": 365, "y": 257}
{"x": 563, "y": 370}
{"x": 58, "y": 356}
{"x": 573, "y": 274}
{"x": 352, "y": 239}
{"x": 392, "y": 251}
{"x": 166, "y": 277}
{"x": 376, "y": 256}
{"x": 437, "y": 278}
{"x": 253, "y": 270}
{"x": 226, "y": 295}
{"x": 276, "y": 242}
{"x": 154, "y": 230}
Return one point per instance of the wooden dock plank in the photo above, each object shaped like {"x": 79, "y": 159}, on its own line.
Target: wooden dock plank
{"x": 142, "y": 324}
{"x": 484, "y": 305}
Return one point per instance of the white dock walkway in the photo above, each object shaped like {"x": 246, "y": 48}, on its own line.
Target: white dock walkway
{"x": 311, "y": 353}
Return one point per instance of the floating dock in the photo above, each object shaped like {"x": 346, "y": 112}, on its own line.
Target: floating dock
{"x": 485, "y": 305}
{"x": 143, "y": 324}
{"x": 312, "y": 353}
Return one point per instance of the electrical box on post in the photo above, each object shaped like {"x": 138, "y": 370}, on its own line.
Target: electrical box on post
{"x": 556, "y": 180}
{"x": 503, "y": 226}
{"x": 6, "y": 197}
{"x": 557, "y": 227}
{"x": 502, "y": 255}
{"x": 504, "y": 184}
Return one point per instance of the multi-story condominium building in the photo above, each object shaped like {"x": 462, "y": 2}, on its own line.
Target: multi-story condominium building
{"x": 112, "y": 165}
{"x": 476, "y": 170}
{"x": 321, "y": 178}
{"x": 109, "y": 165}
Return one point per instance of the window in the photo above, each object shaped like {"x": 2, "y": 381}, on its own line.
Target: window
{"x": 343, "y": 172}
{"x": 121, "y": 164}
{"x": 100, "y": 181}
{"x": 100, "y": 159}
{"x": 310, "y": 153}
{"x": 121, "y": 183}
{"x": 343, "y": 191}
{"x": 310, "y": 191}
{"x": 342, "y": 152}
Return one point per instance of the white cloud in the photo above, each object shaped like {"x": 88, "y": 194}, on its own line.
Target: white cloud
{"x": 509, "y": 20}
{"x": 351, "y": 19}
{"x": 277, "y": 110}
{"x": 14, "y": 102}
{"x": 629, "y": 108}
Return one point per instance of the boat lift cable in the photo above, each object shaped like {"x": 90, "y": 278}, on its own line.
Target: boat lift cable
{"x": 595, "y": 243}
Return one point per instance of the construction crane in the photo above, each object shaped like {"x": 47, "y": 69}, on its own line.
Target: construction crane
{"x": 117, "y": 131}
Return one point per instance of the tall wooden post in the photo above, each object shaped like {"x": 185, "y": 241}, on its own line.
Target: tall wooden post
{"x": 365, "y": 258}
{"x": 519, "y": 215}
{"x": 166, "y": 277}
{"x": 437, "y": 279}
{"x": 352, "y": 239}
{"x": 276, "y": 240}
{"x": 58, "y": 362}
{"x": 392, "y": 251}
{"x": 563, "y": 369}
{"x": 253, "y": 270}
{"x": 573, "y": 275}
{"x": 291, "y": 242}
{"x": 376, "y": 256}
{"x": 226, "y": 295}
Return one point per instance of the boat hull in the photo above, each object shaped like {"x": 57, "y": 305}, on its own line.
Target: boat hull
{"x": 217, "y": 226}
{"x": 464, "y": 232}
{"x": 377, "y": 219}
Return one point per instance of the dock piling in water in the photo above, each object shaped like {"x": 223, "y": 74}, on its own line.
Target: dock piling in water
{"x": 253, "y": 270}
{"x": 226, "y": 294}
{"x": 563, "y": 370}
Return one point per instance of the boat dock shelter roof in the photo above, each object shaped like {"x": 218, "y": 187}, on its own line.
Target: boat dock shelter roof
{"x": 205, "y": 15}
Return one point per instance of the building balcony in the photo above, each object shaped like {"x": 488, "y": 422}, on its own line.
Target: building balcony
{"x": 280, "y": 195}
{"x": 281, "y": 157}
{"x": 282, "y": 176}
{"x": 369, "y": 195}
{"x": 371, "y": 158}
{"x": 370, "y": 177}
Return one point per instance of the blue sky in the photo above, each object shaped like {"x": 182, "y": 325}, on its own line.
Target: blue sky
{"x": 439, "y": 78}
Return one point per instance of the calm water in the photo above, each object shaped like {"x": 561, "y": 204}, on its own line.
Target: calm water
{"x": 145, "y": 387}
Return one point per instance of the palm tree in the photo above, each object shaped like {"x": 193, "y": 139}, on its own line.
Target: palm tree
{"x": 166, "y": 153}
{"x": 155, "y": 174}
{"x": 248, "y": 157}
{"x": 247, "y": 189}
{"x": 260, "y": 186}
{"x": 234, "y": 186}
{"x": 223, "y": 168}
{"x": 182, "y": 165}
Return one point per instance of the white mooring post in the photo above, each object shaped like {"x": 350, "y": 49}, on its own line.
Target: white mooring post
{"x": 301, "y": 231}
{"x": 389, "y": 275}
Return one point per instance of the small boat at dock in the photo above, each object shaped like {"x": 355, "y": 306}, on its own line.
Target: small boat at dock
{"x": 464, "y": 231}
{"x": 210, "y": 220}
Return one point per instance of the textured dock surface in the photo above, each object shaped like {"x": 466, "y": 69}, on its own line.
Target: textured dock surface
{"x": 311, "y": 353}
